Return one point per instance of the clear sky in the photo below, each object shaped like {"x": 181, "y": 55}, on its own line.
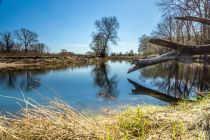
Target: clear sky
{"x": 68, "y": 24}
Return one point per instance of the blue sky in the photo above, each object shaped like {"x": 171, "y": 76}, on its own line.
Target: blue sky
{"x": 68, "y": 24}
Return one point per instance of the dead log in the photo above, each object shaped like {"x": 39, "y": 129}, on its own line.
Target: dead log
{"x": 196, "y": 19}
{"x": 152, "y": 61}
{"x": 182, "y": 49}
{"x": 140, "y": 89}
{"x": 165, "y": 43}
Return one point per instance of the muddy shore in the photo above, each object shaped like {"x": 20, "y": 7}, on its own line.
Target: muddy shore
{"x": 53, "y": 61}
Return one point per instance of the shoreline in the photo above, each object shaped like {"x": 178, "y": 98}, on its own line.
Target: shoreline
{"x": 186, "y": 120}
{"x": 53, "y": 61}
{"x": 64, "y": 61}
{"x": 11, "y": 65}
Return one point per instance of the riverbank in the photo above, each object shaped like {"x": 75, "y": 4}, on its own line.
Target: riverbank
{"x": 53, "y": 61}
{"x": 37, "y": 62}
{"x": 186, "y": 120}
{"x": 56, "y": 61}
{"x": 11, "y": 65}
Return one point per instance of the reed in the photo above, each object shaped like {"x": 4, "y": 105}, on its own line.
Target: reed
{"x": 54, "y": 121}
{"x": 57, "y": 120}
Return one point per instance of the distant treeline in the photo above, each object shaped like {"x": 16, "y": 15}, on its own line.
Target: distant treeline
{"x": 21, "y": 41}
{"x": 130, "y": 53}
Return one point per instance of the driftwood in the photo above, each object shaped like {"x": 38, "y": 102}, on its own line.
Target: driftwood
{"x": 179, "y": 50}
{"x": 196, "y": 19}
{"x": 182, "y": 49}
{"x": 148, "y": 62}
{"x": 139, "y": 89}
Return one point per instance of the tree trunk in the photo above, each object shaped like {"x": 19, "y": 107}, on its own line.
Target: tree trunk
{"x": 183, "y": 49}
{"x": 7, "y": 46}
{"x": 180, "y": 50}
{"x": 26, "y": 50}
{"x": 196, "y": 19}
{"x": 148, "y": 62}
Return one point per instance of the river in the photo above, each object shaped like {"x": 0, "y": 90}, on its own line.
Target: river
{"x": 96, "y": 88}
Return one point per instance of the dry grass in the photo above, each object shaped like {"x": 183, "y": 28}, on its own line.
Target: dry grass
{"x": 187, "y": 120}
{"x": 56, "y": 121}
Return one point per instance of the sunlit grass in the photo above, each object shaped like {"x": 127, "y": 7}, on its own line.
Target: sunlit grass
{"x": 186, "y": 120}
{"x": 55, "y": 121}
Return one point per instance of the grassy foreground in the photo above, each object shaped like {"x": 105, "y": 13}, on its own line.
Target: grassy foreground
{"x": 186, "y": 120}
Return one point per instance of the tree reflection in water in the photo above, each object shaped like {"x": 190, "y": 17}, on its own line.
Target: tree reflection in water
{"x": 177, "y": 79}
{"x": 107, "y": 86}
{"x": 26, "y": 80}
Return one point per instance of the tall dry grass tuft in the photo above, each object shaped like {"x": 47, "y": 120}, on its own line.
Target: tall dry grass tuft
{"x": 55, "y": 121}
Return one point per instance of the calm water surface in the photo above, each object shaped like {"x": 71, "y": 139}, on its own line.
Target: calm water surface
{"x": 93, "y": 88}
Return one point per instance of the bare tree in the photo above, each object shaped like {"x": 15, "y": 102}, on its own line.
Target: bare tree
{"x": 198, "y": 8}
{"x": 97, "y": 45}
{"x": 166, "y": 29}
{"x": 26, "y": 37}
{"x": 144, "y": 45}
{"x": 106, "y": 34}
{"x": 6, "y": 41}
{"x": 17, "y": 47}
{"x": 39, "y": 48}
{"x": 146, "y": 48}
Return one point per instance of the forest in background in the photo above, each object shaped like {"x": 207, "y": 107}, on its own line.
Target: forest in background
{"x": 179, "y": 31}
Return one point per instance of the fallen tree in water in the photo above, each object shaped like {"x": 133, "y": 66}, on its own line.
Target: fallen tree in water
{"x": 182, "y": 49}
{"x": 179, "y": 50}
{"x": 152, "y": 61}
{"x": 196, "y": 19}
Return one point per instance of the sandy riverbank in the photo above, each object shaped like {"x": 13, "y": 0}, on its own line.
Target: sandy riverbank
{"x": 11, "y": 65}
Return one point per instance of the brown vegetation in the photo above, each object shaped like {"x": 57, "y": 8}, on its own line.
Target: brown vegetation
{"x": 186, "y": 120}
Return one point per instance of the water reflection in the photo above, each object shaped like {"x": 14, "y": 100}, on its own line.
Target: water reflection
{"x": 26, "y": 80}
{"x": 141, "y": 90}
{"x": 177, "y": 79}
{"x": 160, "y": 84}
{"x": 107, "y": 86}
